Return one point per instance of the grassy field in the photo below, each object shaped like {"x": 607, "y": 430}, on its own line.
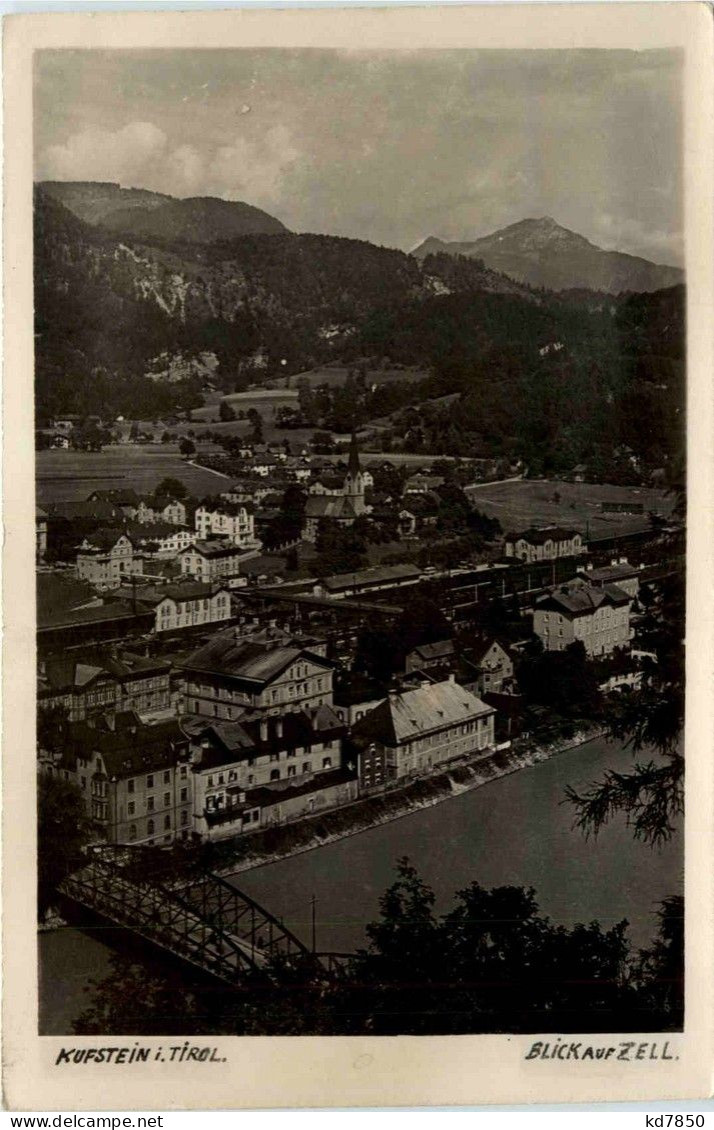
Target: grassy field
{"x": 519, "y": 504}
{"x": 335, "y": 375}
{"x": 62, "y": 476}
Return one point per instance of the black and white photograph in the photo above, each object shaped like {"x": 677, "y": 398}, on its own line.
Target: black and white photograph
{"x": 360, "y": 442}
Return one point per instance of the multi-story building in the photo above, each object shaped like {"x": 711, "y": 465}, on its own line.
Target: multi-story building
{"x": 106, "y": 556}
{"x": 170, "y": 510}
{"x": 598, "y": 617}
{"x": 544, "y": 544}
{"x": 620, "y": 573}
{"x": 490, "y": 668}
{"x": 265, "y": 770}
{"x": 124, "y": 499}
{"x": 234, "y": 674}
{"x": 185, "y": 604}
{"x": 112, "y": 682}
{"x": 432, "y": 657}
{"x": 231, "y": 520}
{"x": 160, "y": 539}
{"x": 134, "y": 778}
{"x": 211, "y": 560}
{"x": 418, "y": 731}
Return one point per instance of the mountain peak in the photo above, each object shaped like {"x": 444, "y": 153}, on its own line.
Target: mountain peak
{"x": 541, "y": 252}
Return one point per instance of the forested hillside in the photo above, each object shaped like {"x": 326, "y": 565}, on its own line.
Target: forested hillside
{"x": 554, "y": 379}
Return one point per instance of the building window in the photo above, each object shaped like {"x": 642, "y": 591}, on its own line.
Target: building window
{"x": 291, "y": 770}
{"x": 182, "y": 771}
{"x": 132, "y": 831}
{"x": 307, "y": 766}
{"x": 184, "y": 817}
{"x": 167, "y": 822}
{"x": 150, "y": 804}
{"x": 167, "y": 776}
{"x": 167, "y": 800}
{"x": 150, "y": 827}
{"x": 327, "y": 763}
{"x": 210, "y": 782}
{"x": 130, "y": 786}
{"x": 150, "y": 781}
{"x": 184, "y": 794}
{"x": 274, "y": 774}
{"x": 130, "y": 808}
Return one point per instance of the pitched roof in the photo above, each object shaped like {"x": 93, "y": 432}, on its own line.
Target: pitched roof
{"x": 132, "y": 747}
{"x": 540, "y": 535}
{"x": 329, "y": 506}
{"x": 411, "y": 714}
{"x": 378, "y": 575}
{"x": 243, "y": 659}
{"x": 212, "y": 549}
{"x": 482, "y": 648}
{"x": 104, "y": 538}
{"x": 577, "y": 598}
{"x": 442, "y": 649}
{"x": 154, "y": 594}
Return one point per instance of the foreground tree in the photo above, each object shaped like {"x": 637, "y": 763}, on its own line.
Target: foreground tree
{"x": 63, "y": 830}
{"x": 491, "y": 964}
{"x": 648, "y": 719}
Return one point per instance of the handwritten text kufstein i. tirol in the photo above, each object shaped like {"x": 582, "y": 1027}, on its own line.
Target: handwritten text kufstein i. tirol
{"x": 171, "y": 1053}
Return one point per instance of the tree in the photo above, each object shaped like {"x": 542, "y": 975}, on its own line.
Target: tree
{"x": 187, "y": 447}
{"x": 225, "y": 412}
{"x": 63, "y": 830}
{"x": 339, "y": 549}
{"x": 651, "y": 717}
{"x": 171, "y": 488}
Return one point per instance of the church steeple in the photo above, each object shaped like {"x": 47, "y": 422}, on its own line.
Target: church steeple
{"x": 354, "y": 481}
{"x": 353, "y": 466}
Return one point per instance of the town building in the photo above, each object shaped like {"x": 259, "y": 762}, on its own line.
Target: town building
{"x": 423, "y": 484}
{"x": 125, "y": 499}
{"x": 355, "y": 695}
{"x": 229, "y": 520}
{"x": 160, "y": 539}
{"x": 432, "y": 658}
{"x": 134, "y": 777}
{"x": 416, "y": 513}
{"x": 620, "y": 573}
{"x": 96, "y": 684}
{"x": 170, "y": 510}
{"x": 106, "y": 557}
{"x": 185, "y": 604}
{"x": 265, "y": 770}
{"x": 233, "y": 674}
{"x": 212, "y": 561}
{"x": 599, "y": 617}
{"x": 364, "y": 581}
{"x": 489, "y": 669}
{"x": 544, "y": 544}
{"x": 415, "y": 732}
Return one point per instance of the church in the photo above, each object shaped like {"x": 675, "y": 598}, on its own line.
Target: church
{"x": 342, "y": 508}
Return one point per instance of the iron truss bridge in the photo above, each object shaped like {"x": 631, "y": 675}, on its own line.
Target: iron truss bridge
{"x": 195, "y": 916}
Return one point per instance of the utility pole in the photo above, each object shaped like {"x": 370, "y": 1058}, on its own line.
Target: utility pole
{"x": 312, "y": 906}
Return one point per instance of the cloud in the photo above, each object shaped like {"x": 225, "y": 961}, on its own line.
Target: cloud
{"x": 140, "y": 155}
{"x": 254, "y": 169}
{"x": 125, "y": 155}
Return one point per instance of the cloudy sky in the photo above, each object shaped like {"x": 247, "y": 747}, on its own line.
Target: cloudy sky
{"x": 388, "y": 146}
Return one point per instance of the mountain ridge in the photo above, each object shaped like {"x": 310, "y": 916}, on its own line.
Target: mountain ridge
{"x": 542, "y": 253}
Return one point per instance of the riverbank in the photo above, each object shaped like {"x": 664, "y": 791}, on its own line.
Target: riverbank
{"x": 284, "y": 841}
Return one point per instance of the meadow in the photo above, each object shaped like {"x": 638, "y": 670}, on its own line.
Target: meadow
{"x": 63, "y": 476}
{"x": 521, "y": 503}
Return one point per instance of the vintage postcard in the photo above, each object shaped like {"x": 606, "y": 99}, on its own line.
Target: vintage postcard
{"x": 358, "y": 381}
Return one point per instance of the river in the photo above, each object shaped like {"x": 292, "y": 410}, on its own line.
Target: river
{"x": 515, "y": 830}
